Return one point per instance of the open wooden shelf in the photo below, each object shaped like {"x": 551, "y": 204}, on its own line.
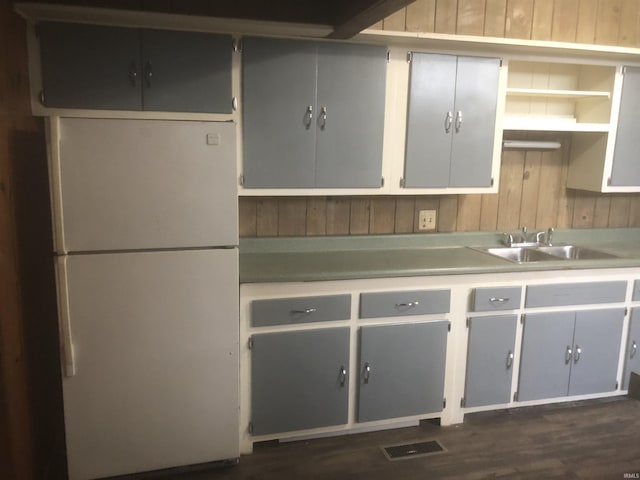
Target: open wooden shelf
{"x": 539, "y": 92}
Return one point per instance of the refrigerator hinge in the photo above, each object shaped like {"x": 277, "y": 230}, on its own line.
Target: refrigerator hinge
{"x": 234, "y": 103}
{"x": 409, "y": 57}
{"x": 250, "y": 427}
{"x": 388, "y": 56}
{"x": 463, "y": 402}
{"x": 237, "y": 45}
{"x": 250, "y": 343}
{"x": 444, "y": 403}
{"x": 515, "y": 397}
{"x": 241, "y": 180}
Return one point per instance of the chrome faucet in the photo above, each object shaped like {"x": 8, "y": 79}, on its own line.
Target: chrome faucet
{"x": 541, "y": 238}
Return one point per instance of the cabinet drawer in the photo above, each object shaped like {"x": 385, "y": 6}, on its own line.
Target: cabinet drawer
{"x": 575, "y": 294}
{"x": 636, "y": 290}
{"x": 287, "y": 311}
{"x": 414, "y": 302}
{"x": 496, "y": 298}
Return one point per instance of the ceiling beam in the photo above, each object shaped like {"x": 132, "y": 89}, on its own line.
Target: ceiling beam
{"x": 350, "y": 18}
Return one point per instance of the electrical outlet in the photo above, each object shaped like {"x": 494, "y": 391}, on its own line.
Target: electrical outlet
{"x": 427, "y": 220}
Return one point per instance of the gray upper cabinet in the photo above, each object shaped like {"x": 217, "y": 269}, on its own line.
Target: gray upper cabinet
{"x": 625, "y": 171}
{"x": 313, "y": 114}
{"x": 299, "y": 380}
{"x": 570, "y": 353}
{"x": 632, "y": 357}
{"x": 451, "y": 121}
{"x": 402, "y": 370}
{"x": 114, "y": 68}
{"x": 490, "y": 360}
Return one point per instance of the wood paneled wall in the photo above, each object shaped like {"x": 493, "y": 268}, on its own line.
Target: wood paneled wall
{"x": 532, "y": 191}
{"x": 31, "y": 420}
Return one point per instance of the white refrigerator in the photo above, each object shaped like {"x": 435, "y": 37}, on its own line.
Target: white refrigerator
{"x": 145, "y": 228}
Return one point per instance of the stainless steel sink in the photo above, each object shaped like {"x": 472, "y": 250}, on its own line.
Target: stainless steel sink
{"x": 574, "y": 252}
{"x": 541, "y": 253}
{"x": 520, "y": 254}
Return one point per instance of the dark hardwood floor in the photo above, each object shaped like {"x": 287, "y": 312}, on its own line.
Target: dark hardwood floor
{"x": 581, "y": 440}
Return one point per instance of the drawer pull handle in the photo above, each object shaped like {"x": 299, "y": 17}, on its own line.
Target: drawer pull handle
{"x": 634, "y": 349}
{"x": 407, "y": 305}
{"x": 576, "y": 356}
{"x": 509, "y": 359}
{"x": 499, "y": 299}
{"x": 323, "y": 118}
{"x": 343, "y": 375}
{"x": 367, "y": 372}
{"x": 308, "y": 116}
{"x": 306, "y": 311}
{"x": 458, "y": 121}
{"x": 568, "y": 354}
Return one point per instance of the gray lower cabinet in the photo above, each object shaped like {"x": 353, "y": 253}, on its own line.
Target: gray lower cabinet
{"x": 401, "y": 370}
{"x": 299, "y": 379}
{"x": 632, "y": 357}
{"x": 451, "y": 121}
{"x": 570, "y": 353}
{"x": 490, "y": 360}
{"x": 313, "y": 114}
{"x": 625, "y": 171}
{"x": 115, "y": 68}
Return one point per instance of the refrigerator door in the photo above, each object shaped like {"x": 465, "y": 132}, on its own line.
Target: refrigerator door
{"x": 154, "y": 337}
{"x": 143, "y": 184}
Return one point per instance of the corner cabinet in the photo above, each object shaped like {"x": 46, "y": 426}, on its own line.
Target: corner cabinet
{"x": 313, "y": 114}
{"x": 115, "y": 68}
{"x": 451, "y": 121}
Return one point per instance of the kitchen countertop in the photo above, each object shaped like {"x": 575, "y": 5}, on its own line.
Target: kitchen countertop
{"x": 299, "y": 259}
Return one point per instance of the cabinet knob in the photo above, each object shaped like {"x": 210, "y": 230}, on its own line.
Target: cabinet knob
{"x": 509, "y": 360}
{"x": 634, "y": 349}
{"x": 133, "y": 74}
{"x": 448, "y": 121}
{"x": 568, "y": 354}
{"x": 367, "y": 372}
{"x": 322, "y": 120}
{"x": 308, "y": 116}
{"x": 576, "y": 355}
{"x": 343, "y": 375}
{"x": 148, "y": 73}
{"x": 458, "y": 120}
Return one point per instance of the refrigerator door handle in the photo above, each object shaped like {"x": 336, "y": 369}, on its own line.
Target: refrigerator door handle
{"x": 66, "y": 338}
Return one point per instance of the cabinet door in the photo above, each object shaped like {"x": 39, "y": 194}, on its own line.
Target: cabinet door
{"x": 632, "y": 358}
{"x": 87, "y": 66}
{"x": 186, "y": 71}
{"x": 625, "y": 171}
{"x": 545, "y": 364}
{"x": 430, "y": 120}
{"x": 401, "y": 370}
{"x": 279, "y": 113}
{"x": 596, "y": 351}
{"x": 489, "y": 360}
{"x": 297, "y": 380}
{"x": 474, "y": 122}
{"x": 351, "y": 90}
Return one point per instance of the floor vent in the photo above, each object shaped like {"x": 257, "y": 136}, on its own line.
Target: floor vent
{"x": 413, "y": 450}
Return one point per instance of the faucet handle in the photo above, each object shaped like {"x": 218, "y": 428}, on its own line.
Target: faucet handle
{"x": 549, "y": 236}
{"x": 508, "y": 239}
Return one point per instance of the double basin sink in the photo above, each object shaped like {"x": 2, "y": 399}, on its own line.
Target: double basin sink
{"x": 543, "y": 253}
